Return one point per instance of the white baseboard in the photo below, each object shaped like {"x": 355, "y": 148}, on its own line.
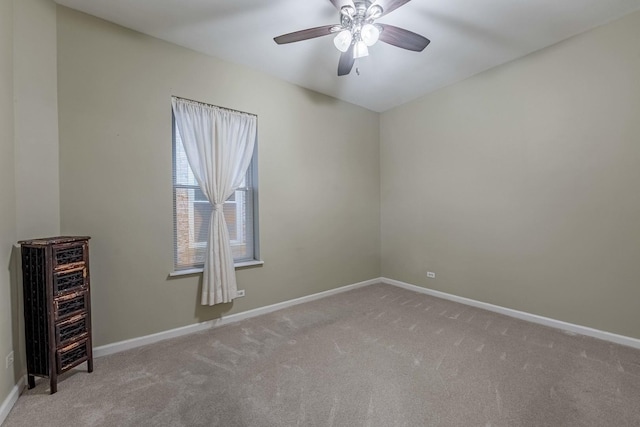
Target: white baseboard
{"x": 534, "y": 318}
{"x": 225, "y": 320}
{"x": 117, "y": 347}
{"x": 11, "y": 399}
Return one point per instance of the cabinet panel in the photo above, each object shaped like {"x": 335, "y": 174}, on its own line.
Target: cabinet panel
{"x": 70, "y": 305}
{"x": 69, "y": 281}
{"x": 64, "y": 255}
{"x": 71, "y": 330}
{"x": 72, "y": 355}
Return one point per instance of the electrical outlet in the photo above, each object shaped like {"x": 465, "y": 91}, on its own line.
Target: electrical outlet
{"x": 9, "y": 360}
{"x": 431, "y": 275}
{"x": 240, "y": 293}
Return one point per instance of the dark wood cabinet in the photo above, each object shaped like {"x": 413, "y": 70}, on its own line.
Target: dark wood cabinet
{"x": 57, "y": 306}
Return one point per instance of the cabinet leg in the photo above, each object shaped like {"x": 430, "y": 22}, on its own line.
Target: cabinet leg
{"x": 90, "y": 365}
{"x": 31, "y": 381}
{"x": 53, "y": 384}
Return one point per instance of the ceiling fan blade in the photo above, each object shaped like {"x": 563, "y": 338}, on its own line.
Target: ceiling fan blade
{"x": 388, "y": 6}
{"x": 402, "y": 38}
{"x": 339, "y": 4}
{"x": 309, "y": 33}
{"x": 346, "y": 62}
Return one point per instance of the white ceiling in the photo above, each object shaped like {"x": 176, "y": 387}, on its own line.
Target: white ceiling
{"x": 467, "y": 37}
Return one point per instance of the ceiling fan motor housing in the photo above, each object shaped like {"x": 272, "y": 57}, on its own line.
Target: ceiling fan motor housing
{"x": 353, "y": 19}
{"x": 357, "y": 28}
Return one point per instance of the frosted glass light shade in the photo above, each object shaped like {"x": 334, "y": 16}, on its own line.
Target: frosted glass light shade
{"x": 360, "y": 50}
{"x": 369, "y": 34}
{"x": 343, "y": 40}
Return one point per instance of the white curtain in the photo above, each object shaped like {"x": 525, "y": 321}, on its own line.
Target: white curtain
{"x": 219, "y": 145}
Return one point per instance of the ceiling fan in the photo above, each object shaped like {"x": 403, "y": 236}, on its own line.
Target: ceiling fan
{"x": 357, "y": 31}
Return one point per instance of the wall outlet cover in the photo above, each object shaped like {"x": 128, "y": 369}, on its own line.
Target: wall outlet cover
{"x": 9, "y": 360}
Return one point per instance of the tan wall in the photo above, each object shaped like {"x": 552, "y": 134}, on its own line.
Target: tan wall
{"x": 520, "y": 186}
{"x": 29, "y": 188}
{"x": 7, "y": 192}
{"x": 318, "y": 171}
{"x": 36, "y": 119}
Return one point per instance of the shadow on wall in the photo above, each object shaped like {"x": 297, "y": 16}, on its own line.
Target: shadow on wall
{"x": 17, "y": 315}
{"x": 205, "y": 313}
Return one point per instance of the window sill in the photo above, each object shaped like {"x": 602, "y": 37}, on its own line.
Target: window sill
{"x": 252, "y": 263}
{"x": 237, "y": 265}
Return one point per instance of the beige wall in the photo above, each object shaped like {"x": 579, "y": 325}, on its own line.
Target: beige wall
{"x": 7, "y": 192}
{"x": 519, "y": 186}
{"x": 318, "y": 170}
{"x": 29, "y": 188}
{"x": 36, "y": 119}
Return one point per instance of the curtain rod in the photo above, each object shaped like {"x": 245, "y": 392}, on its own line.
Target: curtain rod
{"x": 214, "y": 106}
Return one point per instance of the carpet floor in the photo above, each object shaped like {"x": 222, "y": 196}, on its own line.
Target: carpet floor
{"x": 374, "y": 356}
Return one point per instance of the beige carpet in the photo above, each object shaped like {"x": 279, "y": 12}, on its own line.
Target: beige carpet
{"x": 375, "y": 356}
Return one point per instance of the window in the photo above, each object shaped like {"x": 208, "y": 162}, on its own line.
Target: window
{"x": 192, "y": 210}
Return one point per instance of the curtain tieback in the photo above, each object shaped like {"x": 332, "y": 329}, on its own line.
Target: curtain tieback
{"x": 218, "y": 206}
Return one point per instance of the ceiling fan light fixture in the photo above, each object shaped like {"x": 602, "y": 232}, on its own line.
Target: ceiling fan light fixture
{"x": 348, "y": 11}
{"x": 343, "y": 40}
{"x": 360, "y": 50}
{"x": 357, "y": 30}
{"x": 370, "y": 34}
{"x": 374, "y": 12}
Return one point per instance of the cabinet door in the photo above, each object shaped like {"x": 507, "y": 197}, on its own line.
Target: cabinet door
{"x": 72, "y": 355}
{"x": 68, "y": 281}
{"x": 70, "y": 305}
{"x": 71, "y": 330}
{"x": 69, "y": 255}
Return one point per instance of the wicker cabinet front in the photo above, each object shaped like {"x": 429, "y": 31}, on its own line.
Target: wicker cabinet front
{"x": 57, "y": 306}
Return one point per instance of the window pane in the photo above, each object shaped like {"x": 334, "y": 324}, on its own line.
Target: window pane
{"x": 199, "y": 195}
{"x": 236, "y": 217}
{"x": 230, "y": 215}
{"x": 191, "y": 225}
{"x": 201, "y": 215}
